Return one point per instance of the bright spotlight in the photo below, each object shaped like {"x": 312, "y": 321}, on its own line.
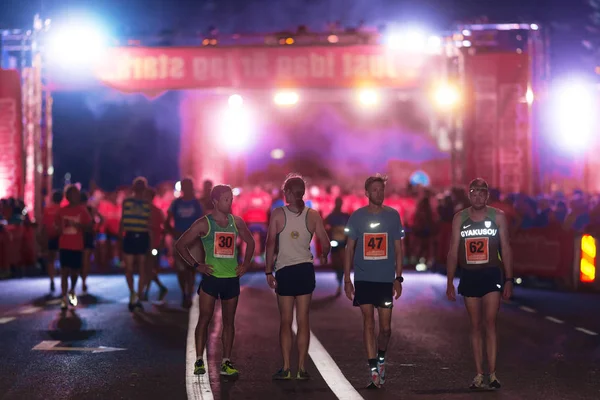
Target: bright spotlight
{"x": 236, "y": 129}
{"x": 178, "y": 186}
{"x": 413, "y": 41}
{"x": 534, "y": 27}
{"x": 235, "y": 101}
{"x": 76, "y": 45}
{"x": 286, "y": 98}
{"x": 447, "y": 96}
{"x": 574, "y": 112}
{"x": 368, "y": 97}
{"x": 434, "y": 44}
{"x": 277, "y": 154}
{"x": 529, "y": 96}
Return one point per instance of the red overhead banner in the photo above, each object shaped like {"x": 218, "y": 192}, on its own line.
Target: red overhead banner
{"x": 11, "y": 142}
{"x": 159, "y": 69}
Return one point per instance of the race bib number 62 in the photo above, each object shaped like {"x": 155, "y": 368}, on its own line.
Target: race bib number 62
{"x": 375, "y": 246}
{"x": 224, "y": 245}
{"x": 477, "y": 250}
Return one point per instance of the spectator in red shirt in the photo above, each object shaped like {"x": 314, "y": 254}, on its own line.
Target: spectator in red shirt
{"x": 50, "y": 234}
{"x": 72, "y": 221}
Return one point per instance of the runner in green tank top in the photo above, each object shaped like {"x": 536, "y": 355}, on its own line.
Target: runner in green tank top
{"x": 481, "y": 247}
{"x": 221, "y": 273}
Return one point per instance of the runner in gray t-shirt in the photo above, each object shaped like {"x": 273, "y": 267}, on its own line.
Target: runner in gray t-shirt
{"x": 375, "y": 248}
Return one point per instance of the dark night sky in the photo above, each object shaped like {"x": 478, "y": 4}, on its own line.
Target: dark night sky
{"x": 265, "y": 15}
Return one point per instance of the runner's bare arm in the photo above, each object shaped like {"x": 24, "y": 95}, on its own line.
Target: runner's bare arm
{"x": 505, "y": 250}
{"x": 349, "y": 259}
{"x": 182, "y": 246}
{"x": 276, "y": 221}
{"x": 246, "y": 236}
{"x": 452, "y": 261}
{"x": 320, "y": 232}
{"x": 399, "y": 256}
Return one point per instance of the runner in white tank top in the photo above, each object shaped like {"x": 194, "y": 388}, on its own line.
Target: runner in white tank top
{"x": 294, "y": 240}
{"x": 292, "y": 228}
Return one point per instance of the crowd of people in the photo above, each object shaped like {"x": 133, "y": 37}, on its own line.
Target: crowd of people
{"x": 208, "y": 232}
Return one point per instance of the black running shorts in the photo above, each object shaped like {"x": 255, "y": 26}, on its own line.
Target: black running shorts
{"x": 71, "y": 259}
{"x": 296, "y": 280}
{"x": 220, "y": 288}
{"x": 53, "y": 244}
{"x": 136, "y": 243}
{"x": 479, "y": 282}
{"x": 378, "y": 294}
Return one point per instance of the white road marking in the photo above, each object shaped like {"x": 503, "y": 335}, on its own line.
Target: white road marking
{"x": 54, "y": 301}
{"x": 197, "y": 386}
{"x": 328, "y": 369}
{"x": 555, "y": 320}
{"x": 408, "y": 365}
{"x": 52, "y": 345}
{"x": 587, "y": 331}
{"x": 527, "y": 309}
{"x": 29, "y": 310}
{"x": 6, "y": 320}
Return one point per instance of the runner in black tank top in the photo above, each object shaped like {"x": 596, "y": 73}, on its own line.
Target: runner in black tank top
{"x": 480, "y": 246}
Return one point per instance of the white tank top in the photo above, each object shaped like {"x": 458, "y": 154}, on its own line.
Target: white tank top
{"x": 294, "y": 240}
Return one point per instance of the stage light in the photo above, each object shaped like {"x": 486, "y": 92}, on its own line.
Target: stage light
{"x": 333, "y": 39}
{"x": 76, "y": 45}
{"x": 534, "y": 27}
{"x": 277, "y": 154}
{"x": 574, "y": 109}
{"x": 368, "y": 97}
{"x": 178, "y": 186}
{"x": 434, "y": 44}
{"x": 529, "y": 97}
{"x": 446, "y": 97}
{"x": 235, "y": 101}
{"x": 412, "y": 41}
{"x": 236, "y": 127}
{"x": 286, "y": 98}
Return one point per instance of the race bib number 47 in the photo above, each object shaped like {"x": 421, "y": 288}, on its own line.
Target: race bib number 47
{"x": 224, "y": 245}
{"x": 477, "y": 250}
{"x": 375, "y": 246}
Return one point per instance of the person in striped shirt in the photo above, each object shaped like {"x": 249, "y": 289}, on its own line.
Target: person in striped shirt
{"x": 135, "y": 233}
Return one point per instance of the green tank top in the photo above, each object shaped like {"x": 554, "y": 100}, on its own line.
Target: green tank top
{"x": 220, "y": 247}
{"x": 479, "y": 241}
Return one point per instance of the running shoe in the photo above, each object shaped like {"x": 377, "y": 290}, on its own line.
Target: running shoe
{"x": 381, "y": 369}
{"x": 73, "y": 299}
{"x": 302, "y": 375}
{"x": 494, "y": 382}
{"x": 282, "y": 375}
{"x": 375, "y": 380}
{"x": 228, "y": 369}
{"x": 477, "y": 382}
{"x": 199, "y": 368}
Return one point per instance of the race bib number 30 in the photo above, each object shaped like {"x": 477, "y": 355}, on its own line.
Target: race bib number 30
{"x": 477, "y": 250}
{"x": 224, "y": 245}
{"x": 375, "y": 246}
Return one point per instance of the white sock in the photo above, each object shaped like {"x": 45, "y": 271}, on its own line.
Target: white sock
{"x": 225, "y": 360}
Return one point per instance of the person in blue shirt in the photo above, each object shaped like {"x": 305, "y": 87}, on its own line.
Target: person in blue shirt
{"x": 183, "y": 212}
{"x": 374, "y": 248}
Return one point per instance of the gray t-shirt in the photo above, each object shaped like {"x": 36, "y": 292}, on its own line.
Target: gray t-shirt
{"x": 375, "y": 256}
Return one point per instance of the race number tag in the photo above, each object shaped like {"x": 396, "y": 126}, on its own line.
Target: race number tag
{"x": 224, "y": 245}
{"x": 477, "y": 250}
{"x": 375, "y": 246}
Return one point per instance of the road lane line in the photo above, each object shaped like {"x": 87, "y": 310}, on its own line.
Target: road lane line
{"x": 555, "y": 320}
{"x": 29, "y": 310}
{"x": 591, "y": 333}
{"x": 527, "y": 309}
{"x": 7, "y": 320}
{"x": 197, "y": 386}
{"x": 328, "y": 369}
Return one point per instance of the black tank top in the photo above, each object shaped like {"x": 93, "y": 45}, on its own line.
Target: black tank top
{"x": 479, "y": 241}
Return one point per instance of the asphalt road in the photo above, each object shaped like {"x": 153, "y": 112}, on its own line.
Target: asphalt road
{"x": 143, "y": 355}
